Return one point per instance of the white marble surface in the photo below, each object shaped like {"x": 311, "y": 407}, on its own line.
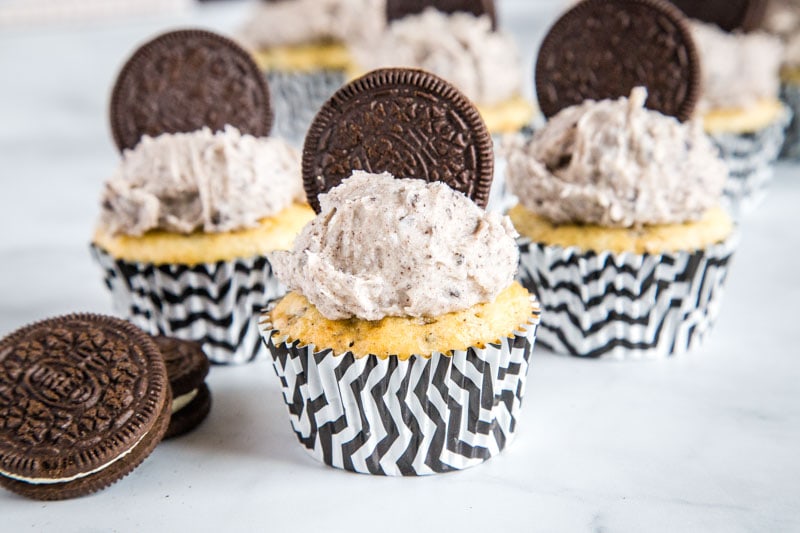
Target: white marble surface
{"x": 705, "y": 442}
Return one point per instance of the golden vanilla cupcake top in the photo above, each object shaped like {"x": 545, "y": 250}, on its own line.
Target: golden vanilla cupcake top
{"x": 200, "y": 181}
{"x": 615, "y": 163}
{"x": 299, "y": 22}
{"x": 383, "y": 246}
{"x": 739, "y": 69}
{"x": 459, "y": 47}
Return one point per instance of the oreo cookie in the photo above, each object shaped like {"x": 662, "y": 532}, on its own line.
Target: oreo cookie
{"x": 602, "y": 49}
{"x": 408, "y": 122}
{"x": 729, "y": 15}
{"x": 187, "y": 368}
{"x": 397, "y": 9}
{"x": 184, "y": 80}
{"x": 84, "y": 399}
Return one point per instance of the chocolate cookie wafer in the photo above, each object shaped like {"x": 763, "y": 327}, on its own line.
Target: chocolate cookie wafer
{"x": 604, "y": 48}
{"x": 408, "y": 122}
{"x": 729, "y": 15}
{"x": 187, "y": 368}
{"x": 84, "y": 399}
{"x": 184, "y": 80}
{"x": 397, "y": 9}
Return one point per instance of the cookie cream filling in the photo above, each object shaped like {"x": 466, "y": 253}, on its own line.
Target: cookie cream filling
{"x": 306, "y": 21}
{"x": 615, "y": 163}
{"x": 183, "y": 400}
{"x": 52, "y": 481}
{"x": 460, "y": 48}
{"x": 383, "y": 246}
{"x": 200, "y": 181}
{"x": 738, "y": 69}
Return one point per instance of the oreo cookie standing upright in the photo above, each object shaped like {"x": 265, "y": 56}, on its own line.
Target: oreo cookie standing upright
{"x": 182, "y": 237}
{"x": 84, "y": 399}
{"x": 408, "y": 122}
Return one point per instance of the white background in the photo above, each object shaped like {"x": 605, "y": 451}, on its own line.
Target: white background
{"x": 704, "y": 442}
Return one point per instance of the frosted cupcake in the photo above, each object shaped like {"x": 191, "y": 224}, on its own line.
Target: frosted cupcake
{"x": 404, "y": 326}
{"x": 623, "y": 240}
{"x": 403, "y": 346}
{"x": 741, "y": 109}
{"x": 187, "y": 219}
{"x": 302, "y": 47}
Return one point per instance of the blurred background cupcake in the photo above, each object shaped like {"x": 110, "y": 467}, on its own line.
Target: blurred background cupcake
{"x": 460, "y": 42}
{"x": 403, "y": 346}
{"x": 302, "y": 46}
{"x": 739, "y": 103}
{"x": 623, "y": 240}
{"x": 741, "y": 109}
{"x": 783, "y": 19}
{"x": 622, "y": 237}
{"x": 189, "y": 215}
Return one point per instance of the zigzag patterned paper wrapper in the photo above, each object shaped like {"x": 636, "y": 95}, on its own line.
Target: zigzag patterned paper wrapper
{"x": 297, "y": 96}
{"x": 790, "y": 94}
{"x": 624, "y": 306}
{"x": 749, "y": 157}
{"x": 424, "y": 415}
{"x": 215, "y": 303}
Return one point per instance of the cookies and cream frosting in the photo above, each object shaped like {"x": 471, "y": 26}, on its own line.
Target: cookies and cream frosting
{"x": 383, "y": 246}
{"x": 297, "y": 22}
{"x": 459, "y": 47}
{"x": 200, "y": 181}
{"x": 615, "y": 163}
{"x": 738, "y": 69}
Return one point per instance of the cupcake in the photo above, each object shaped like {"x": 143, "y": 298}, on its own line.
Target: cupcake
{"x": 466, "y": 49}
{"x": 623, "y": 240}
{"x": 403, "y": 345}
{"x": 189, "y": 215}
{"x": 783, "y": 19}
{"x": 301, "y": 45}
{"x": 741, "y": 109}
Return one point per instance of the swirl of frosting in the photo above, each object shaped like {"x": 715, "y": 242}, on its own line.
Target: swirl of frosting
{"x": 739, "y": 69}
{"x": 213, "y": 182}
{"x": 383, "y": 246}
{"x": 617, "y": 164}
{"x": 298, "y": 22}
{"x": 460, "y": 48}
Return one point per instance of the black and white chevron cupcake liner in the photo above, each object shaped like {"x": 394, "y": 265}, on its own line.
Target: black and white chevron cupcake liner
{"x": 297, "y": 96}
{"x": 214, "y": 303}
{"x": 750, "y": 158}
{"x": 790, "y": 94}
{"x": 624, "y": 306}
{"x": 419, "y": 416}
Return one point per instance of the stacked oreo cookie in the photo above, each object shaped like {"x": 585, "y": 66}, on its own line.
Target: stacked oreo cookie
{"x": 85, "y": 398}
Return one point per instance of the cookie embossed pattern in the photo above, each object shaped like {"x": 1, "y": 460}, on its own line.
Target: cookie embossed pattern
{"x": 150, "y": 96}
{"x": 587, "y": 52}
{"x": 403, "y": 121}
{"x": 83, "y": 400}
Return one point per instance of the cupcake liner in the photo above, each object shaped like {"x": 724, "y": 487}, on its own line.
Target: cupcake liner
{"x": 296, "y": 98}
{"x": 214, "y": 303}
{"x": 749, "y": 157}
{"x": 419, "y": 416}
{"x": 624, "y": 306}
{"x": 790, "y": 94}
